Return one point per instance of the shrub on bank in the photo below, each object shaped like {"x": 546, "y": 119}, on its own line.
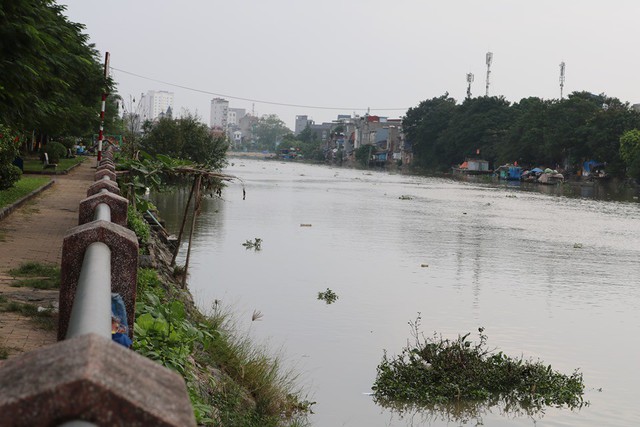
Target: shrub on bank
{"x": 230, "y": 381}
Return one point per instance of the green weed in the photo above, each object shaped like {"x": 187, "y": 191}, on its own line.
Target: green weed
{"x": 137, "y": 223}
{"x": 43, "y": 319}
{"x": 35, "y": 269}
{"x": 328, "y": 296}
{"x": 256, "y": 244}
{"x": 37, "y": 276}
{"x": 438, "y": 373}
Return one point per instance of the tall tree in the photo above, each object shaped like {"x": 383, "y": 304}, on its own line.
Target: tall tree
{"x": 479, "y": 127}
{"x": 423, "y": 126}
{"x": 525, "y": 137}
{"x": 185, "y": 138}
{"x": 50, "y": 76}
{"x": 270, "y": 131}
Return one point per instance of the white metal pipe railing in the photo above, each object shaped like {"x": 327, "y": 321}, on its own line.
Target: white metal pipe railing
{"x": 91, "y": 312}
{"x": 103, "y": 212}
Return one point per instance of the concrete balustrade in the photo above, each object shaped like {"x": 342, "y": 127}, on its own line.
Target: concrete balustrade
{"x": 105, "y": 182}
{"x": 118, "y": 205}
{"x": 105, "y": 172}
{"x": 86, "y": 379}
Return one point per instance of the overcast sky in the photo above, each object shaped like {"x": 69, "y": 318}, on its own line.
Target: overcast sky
{"x": 359, "y": 54}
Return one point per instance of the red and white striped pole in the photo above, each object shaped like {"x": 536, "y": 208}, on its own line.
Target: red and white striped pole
{"x": 100, "y": 135}
{"x": 103, "y": 107}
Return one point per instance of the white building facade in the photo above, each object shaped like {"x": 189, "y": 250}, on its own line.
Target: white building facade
{"x": 219, "y": 113}
{"x": 154, "y": 103}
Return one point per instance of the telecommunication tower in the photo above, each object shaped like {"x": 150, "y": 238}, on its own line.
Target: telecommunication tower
{"x": 561, "y": 78}
{"x": 489, "y": 59}
{"x": 469, "y": 81}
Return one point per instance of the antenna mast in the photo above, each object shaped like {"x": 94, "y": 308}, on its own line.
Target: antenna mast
{"x": 561, "y": 78}
{"x": 469, "y": 81}
{"x": 489, "y": 59}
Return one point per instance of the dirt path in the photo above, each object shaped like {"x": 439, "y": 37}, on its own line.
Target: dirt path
{"x": 34, "y": 232}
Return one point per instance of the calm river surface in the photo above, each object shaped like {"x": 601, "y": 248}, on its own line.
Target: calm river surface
{"x": 499, "y": 258}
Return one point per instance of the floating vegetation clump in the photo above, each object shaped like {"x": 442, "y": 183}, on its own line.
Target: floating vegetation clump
{"x": 328, "y": 296}
{"x": 433, "y": 372}
{"x": 256, "y": 244}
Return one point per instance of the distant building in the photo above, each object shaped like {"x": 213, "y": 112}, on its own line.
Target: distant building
{"x": 235, "y": 114}
{"x": 154, "y": 103}
{"x": 219, "y": 114}
{"x": 301, "y": 124}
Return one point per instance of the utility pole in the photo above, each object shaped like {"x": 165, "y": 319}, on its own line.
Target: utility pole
{"x": 489, "y": 60}
{"x": 561, "y": 78}
{"x": 104, "y": 104}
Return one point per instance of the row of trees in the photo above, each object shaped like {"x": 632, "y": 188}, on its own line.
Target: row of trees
{"x": 51, "y": 79}
{"x": 532, "y": 132}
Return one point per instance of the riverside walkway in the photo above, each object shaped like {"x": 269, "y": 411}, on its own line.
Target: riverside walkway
{"x": 34, "y": 232}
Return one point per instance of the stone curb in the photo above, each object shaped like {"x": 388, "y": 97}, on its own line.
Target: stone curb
{"x": 4, "y": 212}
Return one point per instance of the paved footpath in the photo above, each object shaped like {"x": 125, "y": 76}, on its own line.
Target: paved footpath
{"x": 34, "y": 232}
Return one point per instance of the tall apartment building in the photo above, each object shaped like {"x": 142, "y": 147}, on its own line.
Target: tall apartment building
{"x": 154, "y": 103}
{"x": 219, "y": 113}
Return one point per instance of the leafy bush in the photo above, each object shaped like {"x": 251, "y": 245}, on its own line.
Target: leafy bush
{"x": 9, "y": 174}
{"x": 55, "y": 151}
{"x": 137, "y": 223}
{"x": 442, "y": 371}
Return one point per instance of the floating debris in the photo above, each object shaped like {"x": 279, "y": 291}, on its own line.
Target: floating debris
{"x": 255, "y": 245}
{"x": 305, "y": 225}
{"x": 328, "y": 296}
{"x": 424, "y": 265}
{"x": 405, "y": 197}
{"x": 577, "y": 245}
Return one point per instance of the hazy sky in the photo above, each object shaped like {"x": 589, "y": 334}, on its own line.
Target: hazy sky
{"x": 359, "y": 54}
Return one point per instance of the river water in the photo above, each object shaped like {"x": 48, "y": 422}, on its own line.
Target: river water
{"x": 549, "y": 277}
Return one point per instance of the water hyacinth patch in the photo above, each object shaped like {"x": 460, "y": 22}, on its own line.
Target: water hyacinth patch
{"x": 437, "y": 372}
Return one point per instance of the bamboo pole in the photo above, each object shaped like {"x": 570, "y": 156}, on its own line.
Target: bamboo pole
{"x": 196, "y": 205}
{"x": 184, "y": 220}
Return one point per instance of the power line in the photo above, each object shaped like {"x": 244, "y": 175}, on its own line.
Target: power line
{"x": 283, "y": 104}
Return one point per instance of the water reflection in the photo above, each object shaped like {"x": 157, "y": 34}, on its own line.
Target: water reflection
{"x": 465, "y": 412}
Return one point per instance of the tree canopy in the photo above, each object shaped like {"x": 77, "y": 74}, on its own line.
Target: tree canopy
{"x": 51, "y": 77}
{"x": 270, "y": 131}
{"x": 185, "y": 138}
{"x": 533, "y": 132}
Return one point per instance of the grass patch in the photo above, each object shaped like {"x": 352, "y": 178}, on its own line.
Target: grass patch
{"x": 4, "y": 352}
{"x": 37, "y": 283}
{"x": 24, "y": 186}
{"x": 35, "y": 269}
{"x": 37, "y": 275}
{"x": 35, "y": 165}
{"x": 437, "y": 372}
{"x": 46, "y": 319}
